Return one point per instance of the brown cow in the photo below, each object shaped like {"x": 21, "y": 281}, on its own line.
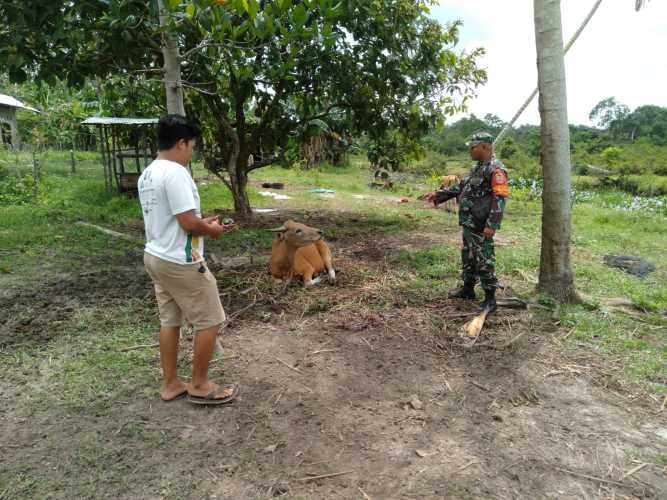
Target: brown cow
{"x": 298, "y": 250}
{"x": 446, "y": 182}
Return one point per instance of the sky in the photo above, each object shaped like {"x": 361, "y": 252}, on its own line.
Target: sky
{"x": 621, "y": 54}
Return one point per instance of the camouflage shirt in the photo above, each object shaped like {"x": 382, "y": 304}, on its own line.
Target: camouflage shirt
{"x": 481, "y": 195}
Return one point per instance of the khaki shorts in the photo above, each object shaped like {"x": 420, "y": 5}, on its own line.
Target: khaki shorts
{"x": 182, "y": 292}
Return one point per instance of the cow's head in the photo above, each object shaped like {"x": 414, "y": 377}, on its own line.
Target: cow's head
{"x": 296, "y": 234}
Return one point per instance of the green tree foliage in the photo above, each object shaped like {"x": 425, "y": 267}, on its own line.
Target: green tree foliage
{"x": 589, "y": 140}
{"x": 258, "y": 72}
{"x": 73, "y": 41}
{"x": 270, "y": 69}
{"x": 608, "y": 149}
{"x": 451, "y": 140}
{"x": 608, "y": 111}
{"x": 64, "y": 107}
{"x": 393, "y": 150}
{"x": 62, "y": 110}
{"x": 493, "y": 122}
{"x": 645, "y": 122}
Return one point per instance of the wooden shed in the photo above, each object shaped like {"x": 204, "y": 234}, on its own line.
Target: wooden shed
{"x": 127, "y": 146}
{"x": 8, "y": 107}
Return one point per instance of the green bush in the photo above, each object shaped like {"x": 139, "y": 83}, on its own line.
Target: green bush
{"x": 645, "y": 185}
{"x": 585, "y": 182}
{"x": 612, "y": 156}
{"x": 520, "y": 165}
{"x": 17, "y": 190}
{"x": 639, "y": 158}
{"x": 4, "y": 171}
{"x": 431, "y": 162}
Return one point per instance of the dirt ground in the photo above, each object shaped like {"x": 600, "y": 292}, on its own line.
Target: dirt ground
{"x": 384, "y": 404}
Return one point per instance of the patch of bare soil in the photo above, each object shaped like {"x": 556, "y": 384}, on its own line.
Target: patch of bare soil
{"x": 372, "y": 404}
{"x": 356, "y": 402}
{"x": 34, "y": 316}
{"x": 322, "y": 219}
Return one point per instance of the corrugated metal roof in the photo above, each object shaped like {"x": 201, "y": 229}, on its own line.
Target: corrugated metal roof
{"x": 113, "y": 120}
{"x": 7, "y": 100}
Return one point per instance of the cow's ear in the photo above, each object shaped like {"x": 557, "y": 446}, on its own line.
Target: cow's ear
{"x": 280, "y": 236}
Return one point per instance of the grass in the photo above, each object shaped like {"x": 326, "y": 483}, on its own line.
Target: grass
{"x": 42, "y": 239}
{"x": 636, "y": 342}
{"x": 85, "y": 364}
{"x": 93, "y": 365}
{"x": 83, "y": 371}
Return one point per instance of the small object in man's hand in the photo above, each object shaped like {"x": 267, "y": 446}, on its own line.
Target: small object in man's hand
{"x": 225, "y": 221}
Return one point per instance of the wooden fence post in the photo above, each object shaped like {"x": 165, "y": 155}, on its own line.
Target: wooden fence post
{"x": 104, "y": 159}
{"x": 35, "y": 171}
{"x": 72, "y": 160}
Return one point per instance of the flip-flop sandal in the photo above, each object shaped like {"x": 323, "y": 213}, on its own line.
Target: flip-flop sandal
{"x": 210, "y": 398}
{"x": 177, "y": 397}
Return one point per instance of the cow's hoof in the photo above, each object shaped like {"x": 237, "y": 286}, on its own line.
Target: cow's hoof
{"x": 313, "y": 282}
{"x": 332, "y": 276}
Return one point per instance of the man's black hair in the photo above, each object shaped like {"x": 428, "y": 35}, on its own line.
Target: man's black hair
{"x": 173, "y": 128}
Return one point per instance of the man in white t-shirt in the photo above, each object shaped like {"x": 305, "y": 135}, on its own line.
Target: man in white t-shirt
{"x": 174, "y": 258}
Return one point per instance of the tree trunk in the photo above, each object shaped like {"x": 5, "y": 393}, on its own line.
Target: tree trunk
{"x": 172, "y": 66}
{"x": 555, "y": 270}
{"x": 237, "y": 168}
{"x": 239, "y": 183}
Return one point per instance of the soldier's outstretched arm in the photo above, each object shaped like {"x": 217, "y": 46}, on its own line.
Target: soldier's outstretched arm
{"x": 442, "y": 195}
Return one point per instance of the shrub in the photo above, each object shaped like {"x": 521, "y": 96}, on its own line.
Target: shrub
{"x": 522, "y": 189}
{"x": 645, "y": 185}
{"x": 584, "y": 182}
{"x": 431, "y": 162}
{"x": 17, "y": 190}
{"x": 612, "y": 156}
{"x": 523, "y": 166}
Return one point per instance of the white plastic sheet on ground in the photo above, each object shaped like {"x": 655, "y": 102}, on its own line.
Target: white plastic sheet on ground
{"x": 275, "y": 196}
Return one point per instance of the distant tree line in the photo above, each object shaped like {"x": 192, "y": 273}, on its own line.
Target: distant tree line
{"x": 624, "y": 142}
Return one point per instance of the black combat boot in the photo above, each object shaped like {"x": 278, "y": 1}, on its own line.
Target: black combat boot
{"x": 489, "y": 300}
{"x": 467, "y": 292}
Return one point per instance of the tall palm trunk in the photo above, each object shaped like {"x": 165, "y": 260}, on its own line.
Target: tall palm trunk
{"x": 555, "y": 269}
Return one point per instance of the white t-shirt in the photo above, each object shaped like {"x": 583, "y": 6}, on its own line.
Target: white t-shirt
{"x": 165, "y": 190}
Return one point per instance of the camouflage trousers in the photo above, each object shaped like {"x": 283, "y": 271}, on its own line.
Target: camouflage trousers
{"x": 478, "y": 257}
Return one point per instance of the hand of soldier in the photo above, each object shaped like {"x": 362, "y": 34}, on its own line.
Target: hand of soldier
{"x": 488, "y": 232}
{"x": 430, "y": 198}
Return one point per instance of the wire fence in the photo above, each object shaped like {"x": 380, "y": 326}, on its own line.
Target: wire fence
{"x": 24, "y": 173}
{"x": 39, "y": 163}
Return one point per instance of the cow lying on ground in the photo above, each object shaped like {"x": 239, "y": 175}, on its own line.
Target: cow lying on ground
{"x": 298, "y": 250}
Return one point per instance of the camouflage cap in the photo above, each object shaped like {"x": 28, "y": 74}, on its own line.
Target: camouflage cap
{"x": 479, "y": 138}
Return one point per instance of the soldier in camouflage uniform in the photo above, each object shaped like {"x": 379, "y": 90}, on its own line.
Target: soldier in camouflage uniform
{"x": 482, "y": 196}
